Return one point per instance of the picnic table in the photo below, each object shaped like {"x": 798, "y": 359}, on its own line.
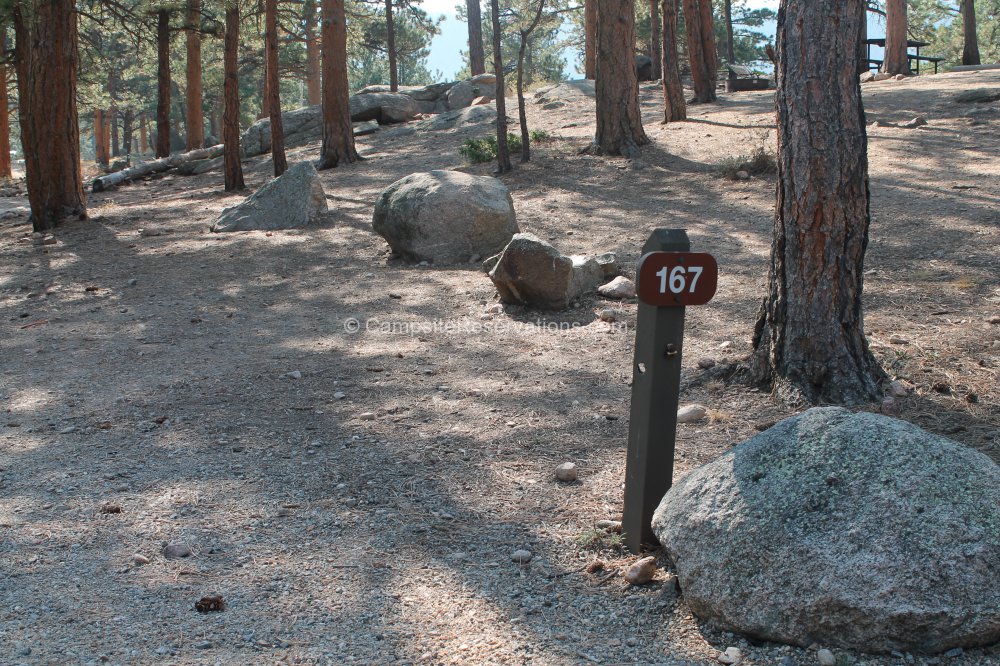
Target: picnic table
{"x": 915, "y": 58}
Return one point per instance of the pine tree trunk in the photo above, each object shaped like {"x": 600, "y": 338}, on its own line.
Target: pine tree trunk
{"x": 970, "y": 50}
{"x": 809, "y": 341}
{"x": 503, "y": 151}
{"x": 522, "y": 51}
{"x": 273, "y": 87}
{"x": 47, "y": 61}
{"x": 100, "y": 151}
{"x": 338, "y": 134}
{"x": 895, "y": 60}
{"x": 390, "y": 45}
{"x": 619, "y": 120}
{"x": 163, "y": 83}
{"x": 314, "y": 91}
{"x": 5, "y": 171}
{"x": 730, "y": 46}
{"x": 194, "y": 121}
{"x": 674, "y": 106}
{"x": 703, "y": 67}
{"x": 655, "y": 40}
{"x": 143, "y": 133}
{"x": 590, "y": 39}
{"x": 477, "y": 51}
{"x": 232, "y": 167}
{"x": 113, "y": 118}
{"x": 127, "y": 121}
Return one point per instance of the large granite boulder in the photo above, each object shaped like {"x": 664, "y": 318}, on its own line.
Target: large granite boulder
{"x": 445, "y": 216}
{"x": 300, "y": 126}
{"x": 294, "y": 199}
{"x": 469, "y": 116}
{"x": 385, "y": 107}
{"x": 850, "y": 530}
{"x": 531, "y": 272}
{"x": 462, "y": 93}
{"x": 565, "y": 91}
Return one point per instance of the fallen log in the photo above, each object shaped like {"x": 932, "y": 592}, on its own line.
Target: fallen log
{"x": 155, "y": 166}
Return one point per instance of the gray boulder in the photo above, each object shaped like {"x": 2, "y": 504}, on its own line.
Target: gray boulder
{"x": 199, "y": 167}
{"x": 294, "y": 199}
{"x": 300, "y": 127}
{"x": 462, "y": 93}
{"x": 387, "y": 108}
{"x": 473, "y": 115}
{"x": 531, "y": 272}
{"x": 850, "y": 530}
{"x": 978, "y": 96}
{"x": 565, "y": 91}
{"x": 445, "y": 216}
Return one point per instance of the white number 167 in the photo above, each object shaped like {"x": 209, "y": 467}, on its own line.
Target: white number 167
{"x": 676, "y": 278}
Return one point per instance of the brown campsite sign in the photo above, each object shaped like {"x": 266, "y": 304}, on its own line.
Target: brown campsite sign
{"x": 676, "y": 279}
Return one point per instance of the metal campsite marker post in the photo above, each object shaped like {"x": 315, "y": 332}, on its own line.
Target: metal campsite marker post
{"x": 669, "y": 278}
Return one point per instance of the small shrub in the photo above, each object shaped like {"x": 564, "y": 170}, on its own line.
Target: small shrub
{"x": 760, "y": 162}
{"x": 597, "y": 539}
{"x": 484, "y": 149}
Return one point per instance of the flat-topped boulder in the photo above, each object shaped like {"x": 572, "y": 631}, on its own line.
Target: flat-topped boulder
{"x": 851, "y": 530}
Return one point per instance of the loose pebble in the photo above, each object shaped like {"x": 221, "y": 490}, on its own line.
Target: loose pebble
{"x": 826, "y": 658}
{"x": 609, "y": 525}
{"x": 706, "y": 363}
{"x": 897, "y": 389}
{"x": 566, "y": 472}
{"x": 177, "y": 550}
{"x": 294, "y": 374}
{"x": 140, "y": 559}
{"x": 995, "y": 320}
{"x": 691, "y": 413}
{"x": 620, "y": 287}
{"x": 339, "y": 395}
{"x": 203, "y": 645}
{"x": 896, "y": 340}
{"x": 642, "y": 571}
{"x": 608, "y": 315}
{"x": 521, "y": 556}
{"x": 732, "y": 655}
{"x": 367, "y": 416}
{"x": 954, "y": 652}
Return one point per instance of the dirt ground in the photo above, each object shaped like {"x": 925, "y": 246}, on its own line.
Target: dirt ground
{"x": 355, "y": 498}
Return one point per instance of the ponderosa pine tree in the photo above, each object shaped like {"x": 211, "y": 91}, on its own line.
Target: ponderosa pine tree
{"x": 590, "y": 39}
{"x": 655, "y": 40}
{"x": 525, "y": 34}
{"x": 674, "y": 106}
{"x": 194, "y": 122}
{"x": 477, "y": 51}
{"x": 232, "y": 166}
{"x": 273, "y": 87}
{"x": 5, "y": 171}
{"x": 162, "y": 83}
{"x": 619, "y": 120}
{"x": 970, "y": 40}
{"x": 895, "y": 60}
{"x": 47, "y": 60}
{"x": 503, "y": 151}
{"x": 702, "y": 55}
{"x": 809, "y": 342}
{"x": 314, "y": 90}
{"x": 338, "y": 133}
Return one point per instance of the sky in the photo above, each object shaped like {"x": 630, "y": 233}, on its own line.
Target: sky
{"x": 446, "y": 48}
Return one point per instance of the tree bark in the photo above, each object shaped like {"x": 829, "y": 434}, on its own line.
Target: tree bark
{"x": 100, "y": 150}
{"x": 5, "y": 171}
{"x": 521, "y": 114}
{"x": 503, "y": 151}
{"x": 895, "y": 60}
{"x": 390, "y": 46}
{"x": 655, "y": 40}
{"x": 232, "y": 166}
{"x": 590, "y": 39}
{"x": 273, "y": 87}
{"x": 338, "y": 134}
{"x": 194, "y": 121}
{"x": 143, "y": 134}
{"x": 701, "y": 49}
{"x": 730, "y": 44}
{"x": 47, "y": 61}
{"x": 115, "y": 145}
{"x": 970, "y": 50}
{"x": 127, "y": 121}
{"x": 163, "y": 83}
{"x": 619, "y": 120}
{"x": 809, "y": 342}
{"x": 314, "y": 91}
{"x": 477, "y": 51}
{"x": 674, "y": 106}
